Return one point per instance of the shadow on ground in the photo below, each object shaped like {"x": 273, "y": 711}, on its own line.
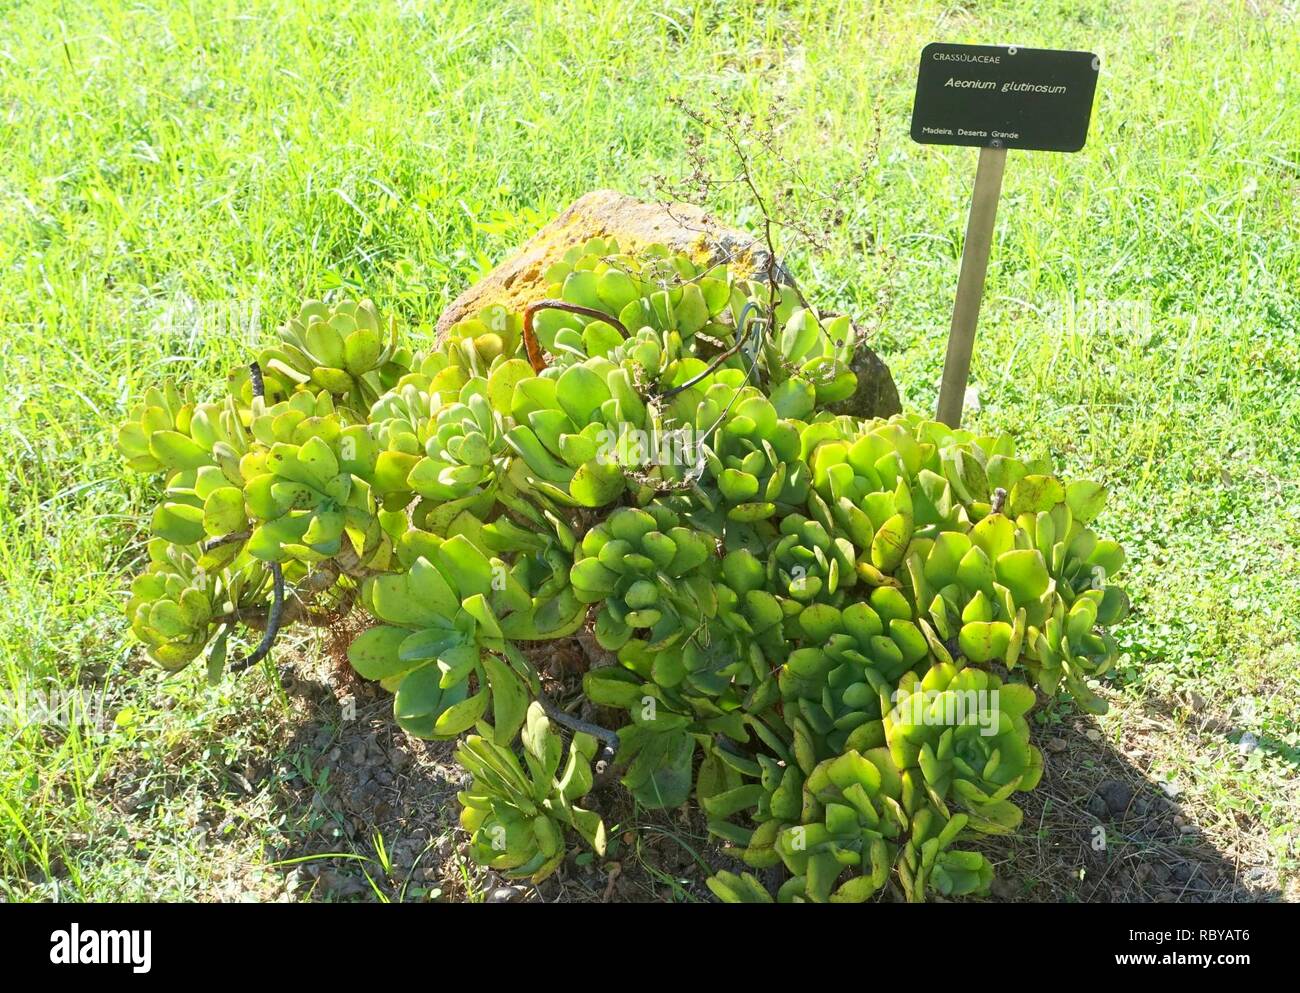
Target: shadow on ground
{"x": 370, "y": 814}
{"x": 1098, "y": 829}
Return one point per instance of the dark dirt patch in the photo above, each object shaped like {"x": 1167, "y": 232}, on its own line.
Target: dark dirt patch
{"x": 1098, "y": 830}
{"x": 363, "y": 786}
{"x": 347, "y": 807}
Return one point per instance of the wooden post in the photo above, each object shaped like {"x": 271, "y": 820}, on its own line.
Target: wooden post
{"x": 970, "y": 284}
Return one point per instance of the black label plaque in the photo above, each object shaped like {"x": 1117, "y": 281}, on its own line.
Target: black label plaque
{"x": 998, "y": 96}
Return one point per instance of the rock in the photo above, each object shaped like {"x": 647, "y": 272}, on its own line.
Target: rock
{"x": 1098, "y": 807}
{"x": 1255, "y": 876}
{"x": 1004, "y": 889}
{"x": 876, "y": 395}
{"x": 521, "y": 279}
{"x": 605, "y": 214}
{"x": 1117, "y": 796}
{"x": 361, "y": 798}
{"x": 340, "y": 885}
{"x": 1093, "y": 735}
{"x": 1057, "y": 745}
{"x": 507, "y": 894}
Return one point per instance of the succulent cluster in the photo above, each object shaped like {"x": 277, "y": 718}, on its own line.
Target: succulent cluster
{"x": 517, "y": 814}
{"x": 827, "y": 630}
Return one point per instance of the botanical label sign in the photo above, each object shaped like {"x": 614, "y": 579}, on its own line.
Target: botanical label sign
{"x": 999, "y": 96}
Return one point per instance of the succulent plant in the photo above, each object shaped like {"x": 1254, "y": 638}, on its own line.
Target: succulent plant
{"x": 814, "y": 356}
{"x": 964, "y": 731}
{"x": 156, "y": 436}
{"x": 174, "y": 605}
{"x": 517, "y": 813}
{"x": 729, "y": 887}
{"x": 841, "y": 846}
{"x": 648, "y": 572}
{"x": 810, "y": 563}
{"x": 928, "y": 862}
{"x": 677, "y": 697}
{"x": 462, "y": 450}
{"x": 441, "y": 649}
{"x": 336, "y": 347}
{"x": 835, "y": 680}
{"x": 827, "y": 631}
{"x": 755, "y": 459}
{"x": 475, "y": 343}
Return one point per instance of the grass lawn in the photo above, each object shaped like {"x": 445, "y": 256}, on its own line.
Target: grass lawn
{"x": 176, "y": 176}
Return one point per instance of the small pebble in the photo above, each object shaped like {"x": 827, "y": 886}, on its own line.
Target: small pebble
{"x": 1056, "y": 745}
{"x": 1004, "y": 889}
{"x": 342, "y": 885}
{"x": 1116, "y": 795}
